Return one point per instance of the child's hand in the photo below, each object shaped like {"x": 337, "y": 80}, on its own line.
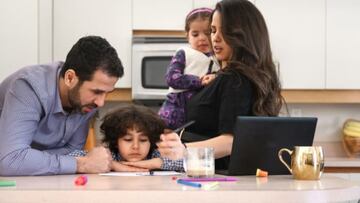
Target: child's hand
{"x": 154, "y": 163}
{"x": 206, "y": 79}
{"x": 118, "y": 166}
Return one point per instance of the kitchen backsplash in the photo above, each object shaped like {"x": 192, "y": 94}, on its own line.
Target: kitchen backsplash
{"x": 330, "y": 117}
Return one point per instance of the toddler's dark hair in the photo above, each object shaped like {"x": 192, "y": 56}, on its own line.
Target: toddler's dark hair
{"x": 202, "y": 13}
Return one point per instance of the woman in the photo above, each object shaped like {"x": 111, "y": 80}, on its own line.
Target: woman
{"x": 246, "y": 85}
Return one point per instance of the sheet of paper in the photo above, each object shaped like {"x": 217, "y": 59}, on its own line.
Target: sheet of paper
{"x": 154, "y": 173}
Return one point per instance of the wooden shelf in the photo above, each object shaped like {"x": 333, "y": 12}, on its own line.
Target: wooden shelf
{"x": 342, "y": 169}
{"x": 291, "y": 96}
{"x": 123, "y": 94}
{"x": 322, "y": 96}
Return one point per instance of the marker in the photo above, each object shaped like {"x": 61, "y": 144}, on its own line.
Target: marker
{"x": 225, "y": 179}
{"x": 7, "y": 183}
{"x": 188, "y": 183}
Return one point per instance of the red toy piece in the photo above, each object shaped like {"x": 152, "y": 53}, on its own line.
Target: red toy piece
{"x": 81, "y": 180}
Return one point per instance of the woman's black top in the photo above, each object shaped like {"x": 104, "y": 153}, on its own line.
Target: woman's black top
{"x": 217, "y": 105}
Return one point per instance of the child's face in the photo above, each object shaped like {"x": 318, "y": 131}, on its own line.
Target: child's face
{"x": 198, "y": 35}
{"x": 221, "y": 49}
{"x": 134, "y": 146}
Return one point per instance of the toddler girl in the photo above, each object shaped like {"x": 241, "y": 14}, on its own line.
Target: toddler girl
{"x": 190, "y": 68}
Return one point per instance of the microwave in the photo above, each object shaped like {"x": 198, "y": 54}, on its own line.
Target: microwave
{"x": 151, "y": 57}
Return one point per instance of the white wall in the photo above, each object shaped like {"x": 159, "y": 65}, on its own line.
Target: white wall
{"x": 331, "y": 117}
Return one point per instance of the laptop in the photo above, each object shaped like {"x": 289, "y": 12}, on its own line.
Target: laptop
{"x": 257, "y": 141}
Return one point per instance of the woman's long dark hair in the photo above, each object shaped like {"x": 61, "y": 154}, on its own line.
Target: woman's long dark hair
{"x": 245, "y": 31}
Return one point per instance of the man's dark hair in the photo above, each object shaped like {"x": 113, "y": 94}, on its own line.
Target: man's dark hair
{"x": 90, "y": 54}
{"x": 116, "y": 124}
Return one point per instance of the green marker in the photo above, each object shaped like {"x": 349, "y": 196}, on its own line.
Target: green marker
{"x": 7, "y": 183}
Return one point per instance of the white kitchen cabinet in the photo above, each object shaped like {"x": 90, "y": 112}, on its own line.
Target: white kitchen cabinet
{"x": 160, "y": 14}
{"x": 45, "y": 31}
{"x": 297, "y": 37}
{"x": 110, "y": 19}
{"x": 205, "y": 3}
{"x": 208, "y": 3}
{"x": 343, "y": 44}
{"x": 18, "y": 35}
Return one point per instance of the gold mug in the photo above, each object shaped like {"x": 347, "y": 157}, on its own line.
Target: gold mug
{"x": 307, "y": 163}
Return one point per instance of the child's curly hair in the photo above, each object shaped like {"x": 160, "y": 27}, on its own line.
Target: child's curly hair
{"x": 143, "y": 119}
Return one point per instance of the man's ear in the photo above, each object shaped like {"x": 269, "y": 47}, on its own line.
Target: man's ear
{"x": 70, "y": 78}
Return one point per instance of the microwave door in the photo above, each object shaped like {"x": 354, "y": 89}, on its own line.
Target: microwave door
{"x": 149, "y": 65}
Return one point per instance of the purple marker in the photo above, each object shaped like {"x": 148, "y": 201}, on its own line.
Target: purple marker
{"x": 224, "y": 179}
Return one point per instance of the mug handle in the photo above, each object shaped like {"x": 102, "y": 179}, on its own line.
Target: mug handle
{"x": 282, "y": 160}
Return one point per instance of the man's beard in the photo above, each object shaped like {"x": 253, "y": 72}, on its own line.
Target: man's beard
{"x": 74, "y": 101}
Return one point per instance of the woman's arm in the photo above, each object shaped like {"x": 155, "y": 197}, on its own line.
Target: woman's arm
{"x": 222, "y": 145}
{"x": 171, "y": 146}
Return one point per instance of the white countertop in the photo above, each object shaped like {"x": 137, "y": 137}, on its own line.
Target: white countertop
{"x": 147, "y": 189}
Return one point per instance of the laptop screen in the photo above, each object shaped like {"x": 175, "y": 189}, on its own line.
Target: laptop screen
{"x": 257, "y": 141}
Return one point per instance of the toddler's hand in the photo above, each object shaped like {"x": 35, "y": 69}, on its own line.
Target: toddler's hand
{"x": 206, "y": 79}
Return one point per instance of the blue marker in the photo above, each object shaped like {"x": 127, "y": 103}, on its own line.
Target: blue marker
{"x": 188, "y": 183}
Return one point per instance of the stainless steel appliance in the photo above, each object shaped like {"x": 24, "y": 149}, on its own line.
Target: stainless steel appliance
{"x": 150, "y": 59}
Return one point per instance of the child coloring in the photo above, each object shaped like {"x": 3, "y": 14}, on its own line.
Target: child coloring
{"x": 131, "y": 133}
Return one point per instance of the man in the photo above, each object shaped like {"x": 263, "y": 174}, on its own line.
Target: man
{"x": 45, "y": 111}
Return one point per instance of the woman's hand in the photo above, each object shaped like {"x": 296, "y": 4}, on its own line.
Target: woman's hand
{"x": 120, "y": 167}
{"x": 154, "y": 163}
{"x": 170, "y": 146}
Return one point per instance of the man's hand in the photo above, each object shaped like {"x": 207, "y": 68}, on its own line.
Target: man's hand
{"x": 97, "y": 160}
{"x": 154, "y": 163}
{"x": 119, "y": 167}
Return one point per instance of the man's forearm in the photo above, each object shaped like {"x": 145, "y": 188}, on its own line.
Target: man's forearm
{"x": 33, "y": 162}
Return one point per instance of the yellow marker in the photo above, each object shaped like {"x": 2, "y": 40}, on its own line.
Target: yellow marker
{"x": 210, "y": 186}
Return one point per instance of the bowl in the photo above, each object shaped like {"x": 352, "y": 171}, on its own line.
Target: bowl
{"x": 351, "y": 137}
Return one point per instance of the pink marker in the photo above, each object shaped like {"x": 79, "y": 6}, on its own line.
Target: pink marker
{"x": 81, "y": 180}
